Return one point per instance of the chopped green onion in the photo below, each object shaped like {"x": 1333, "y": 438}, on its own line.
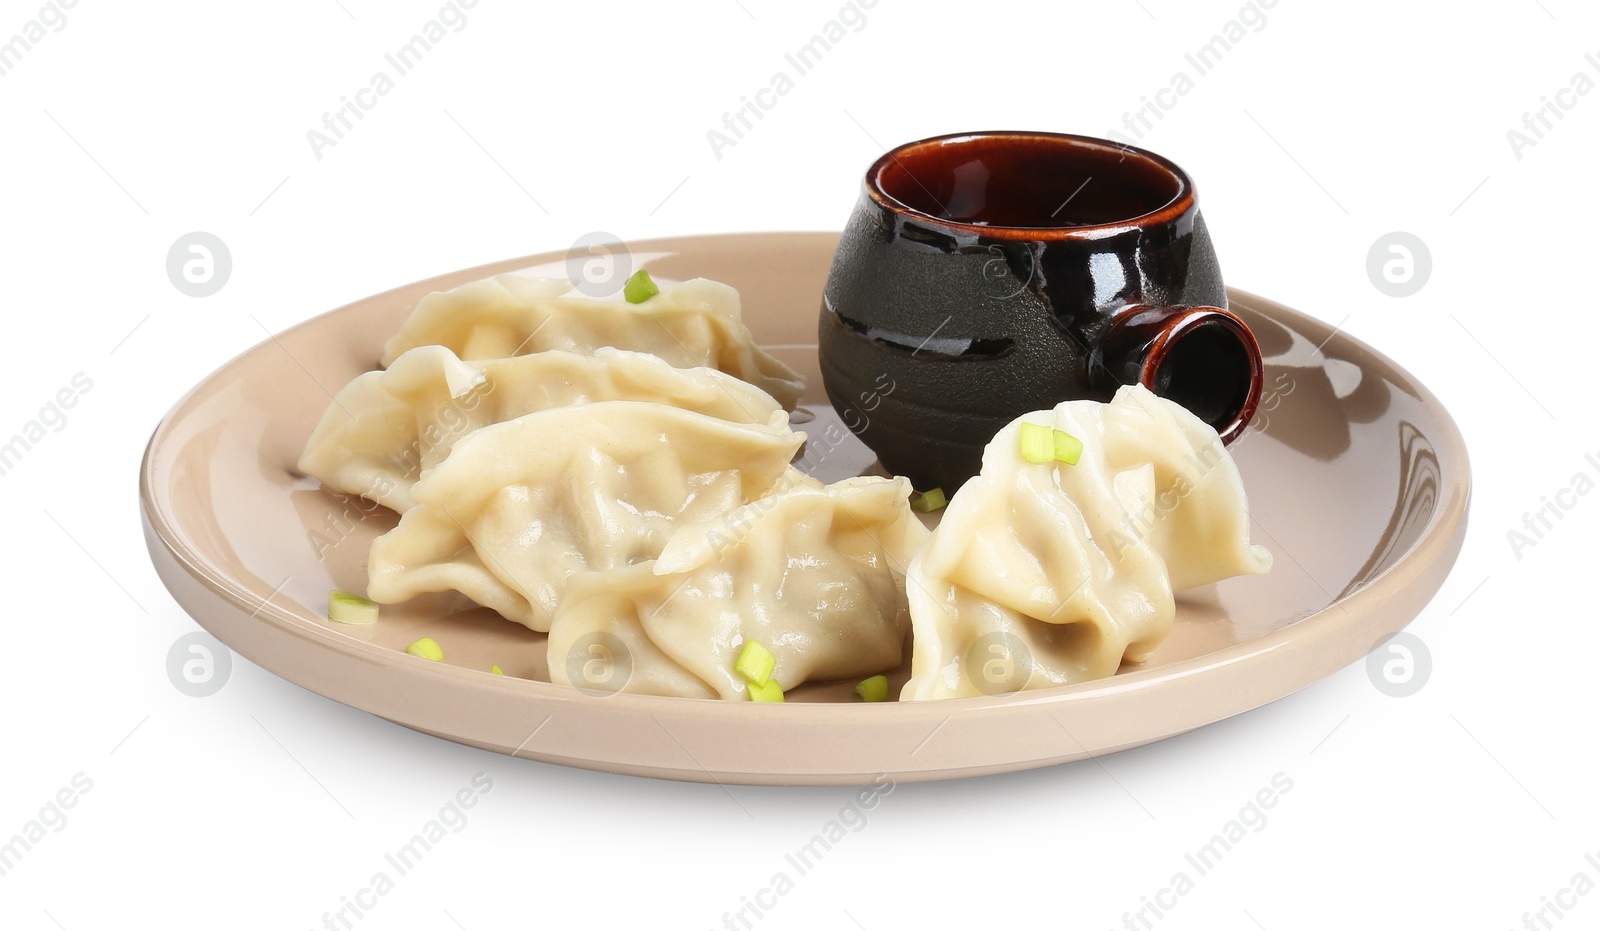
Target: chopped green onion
{"x": 931, "y": 500}
{"x": 1038, "y": 443}
{"x": 496, "y": 670}
{"x": 639, "y": 288}
{"x": 873, "y": 689}
{"x": 1068, "y": 447}
{"x": 755, "y": 663}
{"x": 1042, "y": 444}
{"x": 426, "y": 649}
{"x": 351, "y": 609}
{"x": 768, "y": 692}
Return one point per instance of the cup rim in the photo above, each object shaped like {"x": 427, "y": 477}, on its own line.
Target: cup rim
{"x": 1177, "y": 206}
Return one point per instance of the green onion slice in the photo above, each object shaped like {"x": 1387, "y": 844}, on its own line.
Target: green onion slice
{"x": 1042, "y": 444}
{"x": 351, "y": 609}
{"x": 1068, "y": 447}
{"x": 1038, "y": 443}
{"x": 755, "y": 663}
{"x": 639, "y": 288}
{"x": 427, "y": 649}
{"x": 873, "y": 689}
{"x": 768, "y": 692}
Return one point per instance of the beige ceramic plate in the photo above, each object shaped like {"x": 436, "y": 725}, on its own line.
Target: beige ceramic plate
{"x": 1358, "y": 483}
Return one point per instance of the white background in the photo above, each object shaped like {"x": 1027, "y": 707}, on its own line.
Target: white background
{"x": 263, "y": 805}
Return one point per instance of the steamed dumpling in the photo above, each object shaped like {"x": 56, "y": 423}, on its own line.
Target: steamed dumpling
{"x": 816, "y": 574}
{"x": 518, "y": 507}
{"x": 692, "y": 324}
{"x": 1042, "y": 575}
{"x": 388, "y": 427}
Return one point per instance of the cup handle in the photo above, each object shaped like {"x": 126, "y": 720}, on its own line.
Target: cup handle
{"x": 1204, "y": 358}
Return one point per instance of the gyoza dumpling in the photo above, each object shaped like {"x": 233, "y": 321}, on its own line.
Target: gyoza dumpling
{"x": 815, "y": 574}
{"x": 1051, "y": 574}
{"x": 518, "y": 507}
{"x": 387, "y": 427}
{"x": 692, "y": 324}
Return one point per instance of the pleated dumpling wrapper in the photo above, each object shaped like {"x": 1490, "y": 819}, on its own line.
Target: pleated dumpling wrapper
{"x": 518, "y": 507}
{"x": 814, "y": 574}
{"x": 1043, "y": 574}
{"x": 388, "y": 427}
{"x": 692, "y": 324}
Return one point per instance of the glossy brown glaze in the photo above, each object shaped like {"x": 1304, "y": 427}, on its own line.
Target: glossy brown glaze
{"x": 1204, "y": 358}
{"x": 1015, "y": 254}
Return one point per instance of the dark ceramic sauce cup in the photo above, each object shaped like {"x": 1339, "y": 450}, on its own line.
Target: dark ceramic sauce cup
{"x": 985, "y": 275}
